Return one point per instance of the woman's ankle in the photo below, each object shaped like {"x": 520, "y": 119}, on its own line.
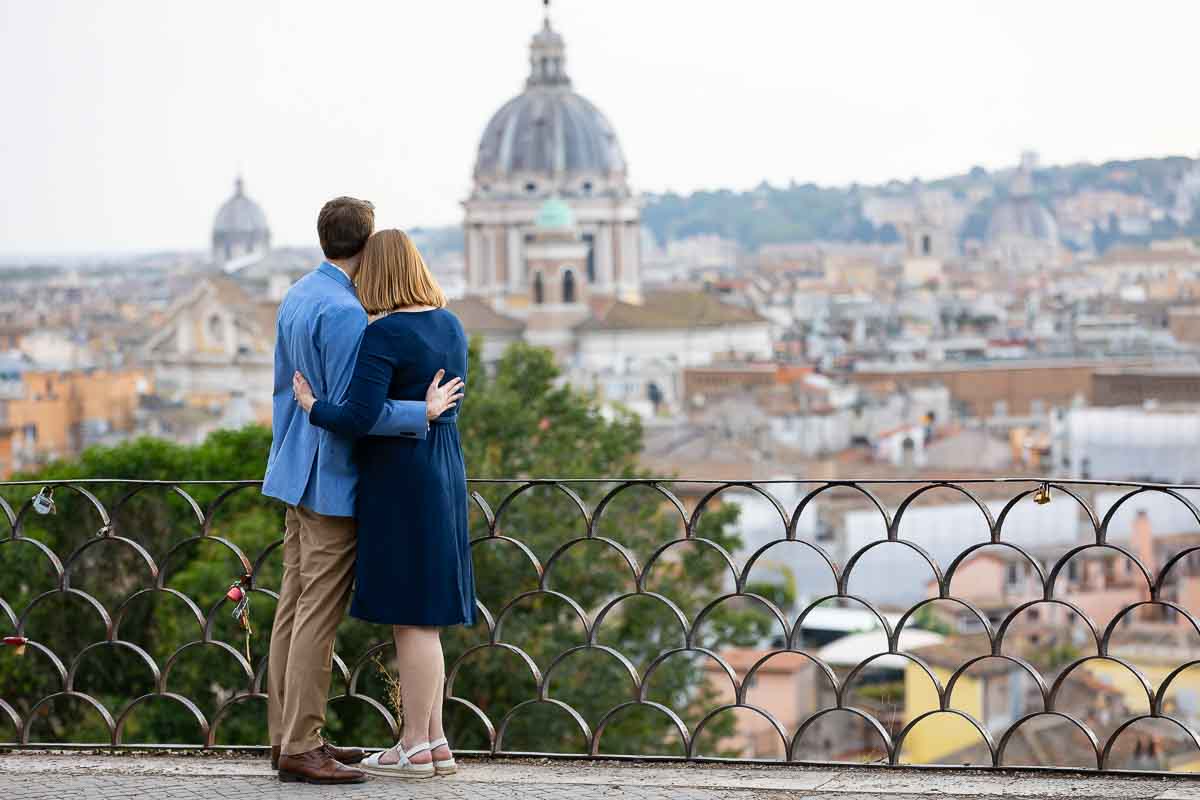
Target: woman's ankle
{"x": 422, "y": 757}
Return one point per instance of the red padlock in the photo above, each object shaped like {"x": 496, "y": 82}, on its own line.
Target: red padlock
{"x": 18, "y": 642}
{"x": 235, "y": 594}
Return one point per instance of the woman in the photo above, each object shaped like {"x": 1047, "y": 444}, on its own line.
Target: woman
{"x": 414, "y": 558}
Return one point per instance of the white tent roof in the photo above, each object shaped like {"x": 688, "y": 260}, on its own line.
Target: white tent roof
{"x": 845, "y": 620}
{"x": 850, "y": 651}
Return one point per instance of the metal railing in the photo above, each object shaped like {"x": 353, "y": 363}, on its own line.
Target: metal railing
{"x": 642, "y": 618}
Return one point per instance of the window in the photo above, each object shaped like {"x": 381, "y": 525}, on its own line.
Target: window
{"x": 1014, "y": 576}
{"x": 587, "y": 187}
{"x": 568, "y": 286}
{"x": 926, "y": 245}
{"x": 538, "y": 290}
{"x": 531, "y": 187}
{"x": 216, "y": 328}
{"x": 590, "y": 239}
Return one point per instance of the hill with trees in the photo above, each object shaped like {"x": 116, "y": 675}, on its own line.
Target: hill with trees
{"x": 802, "y": 212}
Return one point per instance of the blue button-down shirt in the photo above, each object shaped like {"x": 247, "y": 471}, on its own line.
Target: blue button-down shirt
{"x": 318, "y": 330}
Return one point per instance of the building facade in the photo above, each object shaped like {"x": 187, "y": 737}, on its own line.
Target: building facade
{"x": 549, "y": 142}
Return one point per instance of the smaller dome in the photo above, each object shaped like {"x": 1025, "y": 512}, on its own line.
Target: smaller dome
{"x": 555, "y": 213}
{"x": 1022, "y": 216}
{"x": 240, "y": 215}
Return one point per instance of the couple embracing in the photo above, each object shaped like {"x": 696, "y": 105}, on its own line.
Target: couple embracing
{"x": 369, "y": 372}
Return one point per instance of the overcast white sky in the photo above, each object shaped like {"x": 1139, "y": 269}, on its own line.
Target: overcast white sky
{"x": 125, "y": 121}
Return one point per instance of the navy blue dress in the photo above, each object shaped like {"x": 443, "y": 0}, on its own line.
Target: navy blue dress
{"x": 414, "y": 555}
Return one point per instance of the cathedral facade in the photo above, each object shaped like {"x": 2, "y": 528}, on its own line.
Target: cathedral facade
{"x": 550, "y": 143}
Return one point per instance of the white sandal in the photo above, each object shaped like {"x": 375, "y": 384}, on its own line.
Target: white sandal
{"x": 445, "y": 766}
{"x": 404, "y": 768}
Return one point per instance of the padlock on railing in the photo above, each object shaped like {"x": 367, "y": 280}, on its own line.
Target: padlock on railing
{"x": 43, "y": 501}
{"x": 16, "y": 642}
{"x": 237, "y": 594}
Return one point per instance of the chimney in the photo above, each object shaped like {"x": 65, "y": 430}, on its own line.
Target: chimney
{"x": 1142, "y": 540}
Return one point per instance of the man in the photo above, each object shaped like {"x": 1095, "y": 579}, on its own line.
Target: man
{"x": 319, "y": 327}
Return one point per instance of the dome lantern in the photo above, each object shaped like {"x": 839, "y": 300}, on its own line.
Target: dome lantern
{"x": 547, "y": 56}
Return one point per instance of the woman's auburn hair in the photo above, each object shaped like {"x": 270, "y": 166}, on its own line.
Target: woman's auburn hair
{"x": 393, "y": 275}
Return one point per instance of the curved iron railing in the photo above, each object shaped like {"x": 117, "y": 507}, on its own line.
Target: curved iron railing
{"x": 1119, "y": 627}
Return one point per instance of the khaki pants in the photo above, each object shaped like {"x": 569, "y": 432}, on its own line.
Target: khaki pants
{"x": 318, "y": 570}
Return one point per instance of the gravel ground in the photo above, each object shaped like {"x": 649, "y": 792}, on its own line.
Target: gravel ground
{"x": 93, "y": 776}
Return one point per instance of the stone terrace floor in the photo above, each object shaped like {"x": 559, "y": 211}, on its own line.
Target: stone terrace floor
{"x": 76, "y": 776}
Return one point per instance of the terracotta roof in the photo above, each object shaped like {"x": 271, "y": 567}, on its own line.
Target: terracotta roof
{"x": 477, "y": 316}
{"x": 741, "y": 659}
{"x": 672, "y": 309}
{"x": 957, "y": 650}
{"x": 228, "y": 291}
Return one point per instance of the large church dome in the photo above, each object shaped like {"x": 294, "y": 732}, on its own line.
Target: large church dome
{"x": 549, "y": 165}
{"x": 549, "y": 130}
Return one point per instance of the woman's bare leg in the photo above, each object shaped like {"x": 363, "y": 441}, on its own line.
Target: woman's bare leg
{"x": 419, "y": 664}
{"x": 436, "y": 731}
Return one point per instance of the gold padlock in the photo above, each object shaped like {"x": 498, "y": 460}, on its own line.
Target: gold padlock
{"x": 1042, "y": 495}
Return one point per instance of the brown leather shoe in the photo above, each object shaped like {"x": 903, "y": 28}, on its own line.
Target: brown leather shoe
{"x": 317, "y": 766}
{"x": 274, "y": 756}
{"x": 345, "y": 755}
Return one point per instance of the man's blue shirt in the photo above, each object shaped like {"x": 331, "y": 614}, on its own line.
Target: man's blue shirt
{"x": 318, "y": 330}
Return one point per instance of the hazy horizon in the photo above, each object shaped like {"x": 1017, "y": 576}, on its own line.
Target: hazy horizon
{"x": 135, "y": 117}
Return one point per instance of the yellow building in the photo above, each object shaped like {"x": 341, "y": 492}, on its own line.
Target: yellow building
{"x": 57, "y": 413}
{"x": 939, "y": 736}
{"x": 995, "y": 693}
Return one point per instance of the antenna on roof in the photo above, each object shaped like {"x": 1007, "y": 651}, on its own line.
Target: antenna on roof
{"x": 546, "y": 12}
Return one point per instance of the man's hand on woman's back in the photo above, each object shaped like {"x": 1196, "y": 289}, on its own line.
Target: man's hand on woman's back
{"x": 439, "y": 399}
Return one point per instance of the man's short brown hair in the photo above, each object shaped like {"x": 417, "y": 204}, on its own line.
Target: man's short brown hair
{"x": 344, "y": 225}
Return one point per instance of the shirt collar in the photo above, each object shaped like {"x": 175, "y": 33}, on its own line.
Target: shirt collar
{"x": 337, "y": 273}
{"x": 339, "y": 269}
